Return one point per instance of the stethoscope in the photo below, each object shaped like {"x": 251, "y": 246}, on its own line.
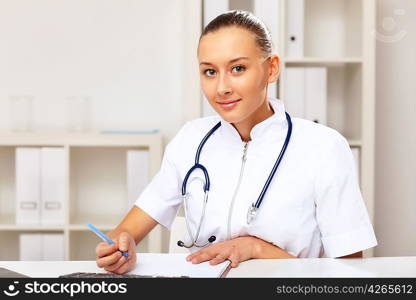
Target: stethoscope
{"x": 252, "y": 210}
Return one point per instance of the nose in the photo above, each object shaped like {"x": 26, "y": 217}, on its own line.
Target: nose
{"x": 223, "y": 88}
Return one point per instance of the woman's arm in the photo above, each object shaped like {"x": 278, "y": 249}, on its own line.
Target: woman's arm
{"x": 137, "y": 223}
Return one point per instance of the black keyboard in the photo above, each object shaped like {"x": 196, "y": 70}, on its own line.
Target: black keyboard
{"x": 112, "y": 275}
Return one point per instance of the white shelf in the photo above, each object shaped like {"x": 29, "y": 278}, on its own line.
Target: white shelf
{"x": 8, "y": 224}
{"x": 8, "y": 138}
{"x": 95, "y": 185}
{"x": 14, "y": 227}
{"x": 323, "y": 61}
{"x": 355, "y": 143}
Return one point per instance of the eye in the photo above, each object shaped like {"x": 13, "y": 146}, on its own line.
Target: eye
{"x": 239, "y": 68}
{"x": 209, "y": 72}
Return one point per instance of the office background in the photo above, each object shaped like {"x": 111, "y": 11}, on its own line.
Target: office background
{"x": 136, "y": 60}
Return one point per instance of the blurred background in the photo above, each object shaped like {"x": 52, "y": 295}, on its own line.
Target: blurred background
{"x": 108, "y": 83}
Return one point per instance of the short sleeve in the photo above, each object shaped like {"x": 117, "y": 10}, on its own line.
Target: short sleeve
{"x": 340, "y": 210}
{"x": 161, "y": 198}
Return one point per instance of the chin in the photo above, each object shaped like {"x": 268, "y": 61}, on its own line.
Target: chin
{"x": 230, "y": 117}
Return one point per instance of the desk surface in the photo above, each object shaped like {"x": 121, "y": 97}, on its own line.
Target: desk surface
{"x": 305, "y": 267}
{"x": 328, "y": 267}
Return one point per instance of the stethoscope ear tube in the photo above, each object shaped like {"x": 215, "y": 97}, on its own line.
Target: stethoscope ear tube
{"x": 201, "y": 221}
{"x": 185, "y": 181}
{"x": 206, "y": 191}
{"x": 252, "y": 210}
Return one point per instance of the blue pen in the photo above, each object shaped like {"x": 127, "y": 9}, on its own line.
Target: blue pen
{"x": 105, "y": 238}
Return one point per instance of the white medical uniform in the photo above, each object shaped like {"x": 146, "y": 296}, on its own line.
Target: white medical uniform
{"x": 313, "y": 206}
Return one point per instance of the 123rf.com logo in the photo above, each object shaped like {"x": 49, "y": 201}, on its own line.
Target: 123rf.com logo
{"x": 391, "y": 32}
{"x": 69, "y": 288}
{"x": 11, "y": 290}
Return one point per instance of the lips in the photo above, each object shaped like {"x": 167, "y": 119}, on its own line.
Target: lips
{"x": 230, "y": 104}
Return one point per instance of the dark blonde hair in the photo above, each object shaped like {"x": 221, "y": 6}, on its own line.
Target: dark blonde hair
{"x": 245, "y": 20}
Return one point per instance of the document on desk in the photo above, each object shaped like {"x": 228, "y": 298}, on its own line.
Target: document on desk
{"x": 175, "y": 265}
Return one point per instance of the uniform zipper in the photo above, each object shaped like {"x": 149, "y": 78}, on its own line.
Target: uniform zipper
{"x": 230, "y": 211}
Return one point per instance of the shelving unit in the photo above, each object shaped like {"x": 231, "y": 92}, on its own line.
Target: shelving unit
{"x": 95, "y": 188}
{"x": 337, "y": 35}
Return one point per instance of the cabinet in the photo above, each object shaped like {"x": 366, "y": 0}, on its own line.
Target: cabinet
{"x": 95, "y": 188}
{"x": 339, "y": 36}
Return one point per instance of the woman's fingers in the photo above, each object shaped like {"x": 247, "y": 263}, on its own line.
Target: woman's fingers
{"x": 218, "y": 259}
{"x": 215, "y": 256}
{"x": 113, "y": 267}
{"x": 104, "y": 249}
{"x": 108, "y": 260}
{"x": 234, "y": 258}
{"x": 201, "y": 257}
{"x": 124, "y": 241}
{"x": 125, "y": 267}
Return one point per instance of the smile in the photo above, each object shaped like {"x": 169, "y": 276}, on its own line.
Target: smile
{"x": 229, "y": 104}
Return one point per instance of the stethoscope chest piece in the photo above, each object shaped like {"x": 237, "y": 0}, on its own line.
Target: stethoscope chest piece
{"x": 251, "y": 213}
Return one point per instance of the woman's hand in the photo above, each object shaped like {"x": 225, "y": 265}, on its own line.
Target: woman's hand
{"x": 235, "y": 250}
{"x": 110, "y": 258}
{"x": 238, "y": 250}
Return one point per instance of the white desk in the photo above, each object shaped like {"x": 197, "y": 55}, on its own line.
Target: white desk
{"x": 328, "y": 267}
{"x": 313, "y": 267}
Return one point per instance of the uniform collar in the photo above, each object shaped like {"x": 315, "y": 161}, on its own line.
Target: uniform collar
{"x": 274, "y": 127}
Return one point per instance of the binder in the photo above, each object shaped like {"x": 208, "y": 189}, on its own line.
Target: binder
{"x": 295, "y": 28}
{"x": 27, "y": 185}
{"x": 53, "y": 246}
{"x": 316, "y": 94}
{"x": 30, "y": 246}
{"x": 269, "y": 12}
{"x": 137, "y": 174}
{"x": 36, "y": 246}
{"x": 295, "y": 91}
{"x": 52, "y": 185}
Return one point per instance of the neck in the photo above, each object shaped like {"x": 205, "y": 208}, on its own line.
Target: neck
{"x": 262, "y": 113}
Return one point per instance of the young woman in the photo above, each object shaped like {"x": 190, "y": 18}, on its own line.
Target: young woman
{"x": 257, "y": 183}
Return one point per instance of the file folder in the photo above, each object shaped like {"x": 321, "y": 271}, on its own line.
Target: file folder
{"x": 137, "y": 174}
{"x": 30, "y": 246}
{"x": 37, "y": 246}
{"x": 53, "y": 246}
{"x": 27, "y": 185}
{"x": 52, "y": 185}
{"x": 295, "y": 28}
{"x": 294, "y": 98}
{"x": 316, "y": 94}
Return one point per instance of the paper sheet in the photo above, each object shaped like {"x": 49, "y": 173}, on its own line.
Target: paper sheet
{"x": 175, "y": 265}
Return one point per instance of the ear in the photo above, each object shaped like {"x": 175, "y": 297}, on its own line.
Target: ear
{"x": 274, "y": 68}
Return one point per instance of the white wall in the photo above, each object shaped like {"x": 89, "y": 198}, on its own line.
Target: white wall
{"x": 395, "y": 182}
{"x": 134, "y": 58}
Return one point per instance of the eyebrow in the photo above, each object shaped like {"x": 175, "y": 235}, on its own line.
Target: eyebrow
{"x": 230, "y": 62}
